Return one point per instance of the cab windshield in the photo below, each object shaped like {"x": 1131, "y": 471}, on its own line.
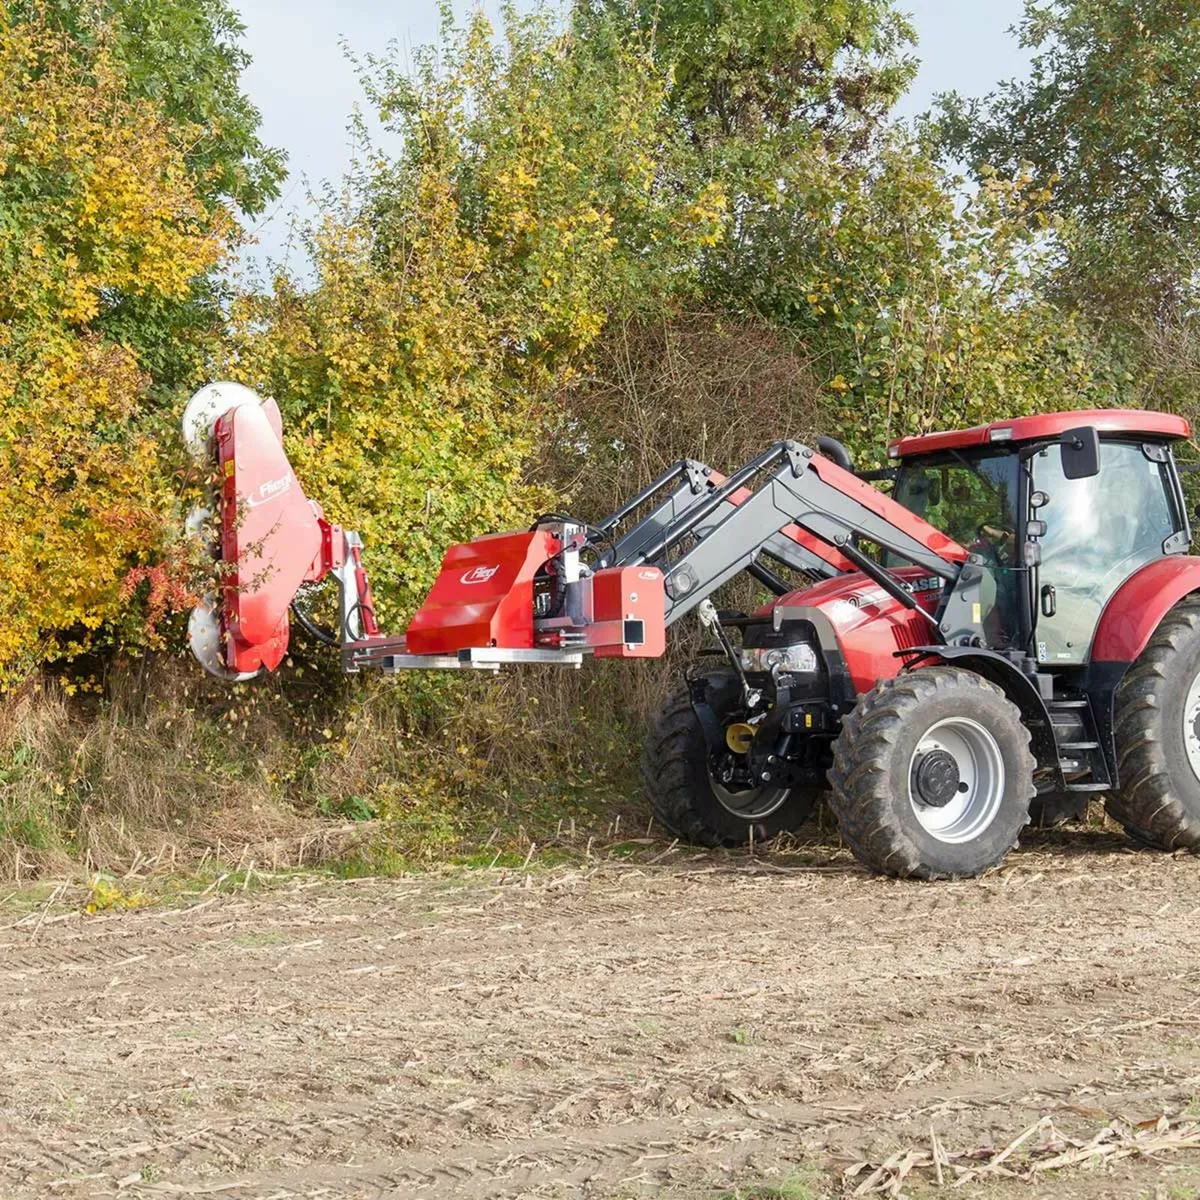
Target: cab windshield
{"x": 973, "y": 499}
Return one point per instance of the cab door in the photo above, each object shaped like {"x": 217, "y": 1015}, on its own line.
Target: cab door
{"x": 1099, "y": 530}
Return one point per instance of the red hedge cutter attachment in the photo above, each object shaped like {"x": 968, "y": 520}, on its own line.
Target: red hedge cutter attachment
{"x": 552, "y": 593}
{"x": 272, "y": 539}
{"x": 514, "y": 597}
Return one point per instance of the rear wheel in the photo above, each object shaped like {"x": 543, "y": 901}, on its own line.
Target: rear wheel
{"x": 1157, "y": 730}
{"x": 932, "y": 775}
{"x": 686, "y": 794}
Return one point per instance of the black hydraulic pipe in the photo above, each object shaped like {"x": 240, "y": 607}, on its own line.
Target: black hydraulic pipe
{"x": 719, "y": 496}
{"x": 772, "y": 582}
{"x": 869, "y": 567}
{"x": 833, "y": 449}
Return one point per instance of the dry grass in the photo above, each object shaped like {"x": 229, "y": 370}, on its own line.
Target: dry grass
{"x": 156, "y": 766}
{"x": 172, "y": 768}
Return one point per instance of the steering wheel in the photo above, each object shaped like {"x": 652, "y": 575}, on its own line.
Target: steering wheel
{"x": 990, "y": 540}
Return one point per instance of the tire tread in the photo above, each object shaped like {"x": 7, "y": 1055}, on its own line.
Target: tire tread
{"x": 1148, "y": 803}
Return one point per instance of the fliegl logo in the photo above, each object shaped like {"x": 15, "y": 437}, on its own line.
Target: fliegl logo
{"x": 478, "y": 574}
{"x": 269, "y": 490}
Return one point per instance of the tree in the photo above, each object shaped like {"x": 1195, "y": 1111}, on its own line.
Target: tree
{"x": 540, "y": 188}
{"x": 186, "y": 56}
{"x": 744, "y": 67}
{"x": 1109, "y": 118}
{"x": 96, "y": 202}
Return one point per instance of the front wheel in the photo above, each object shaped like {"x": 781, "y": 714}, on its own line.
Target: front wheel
{"x": 688, "y": 798}
{"x": 932, "y": 775}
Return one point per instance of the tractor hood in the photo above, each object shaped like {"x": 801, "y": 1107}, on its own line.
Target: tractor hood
{"x": 856, "y": 616}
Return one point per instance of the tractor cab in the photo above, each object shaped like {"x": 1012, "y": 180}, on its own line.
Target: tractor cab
{"x": 1057, "y": 510}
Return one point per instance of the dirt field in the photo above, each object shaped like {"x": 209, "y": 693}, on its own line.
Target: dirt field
{"x": 679, "y": 1028}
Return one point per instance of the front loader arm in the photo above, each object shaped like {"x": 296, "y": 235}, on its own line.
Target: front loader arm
{"x": 694, "y": 487}
{"x": 801, "y": 491}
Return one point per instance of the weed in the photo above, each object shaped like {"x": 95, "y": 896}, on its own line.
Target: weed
{"x": 105, "y": 894}
{"x": 796, "y": 1185}
{"x": 352, "y": 808}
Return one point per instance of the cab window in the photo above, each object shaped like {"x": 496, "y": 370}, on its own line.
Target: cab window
{"x": 972, "y": 497}
{"x": 1098, "y": 532}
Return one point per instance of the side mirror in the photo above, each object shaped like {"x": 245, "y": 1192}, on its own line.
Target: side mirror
{"x": 1081, "y": 452}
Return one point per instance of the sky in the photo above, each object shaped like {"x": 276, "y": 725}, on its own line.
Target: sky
{"x": 307, "y": 89}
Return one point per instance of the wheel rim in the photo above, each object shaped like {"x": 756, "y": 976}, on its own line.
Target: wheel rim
{"x": 1191, "y": 726}
{"x": 956, "y": 780}
{"x": 752, "y": 804}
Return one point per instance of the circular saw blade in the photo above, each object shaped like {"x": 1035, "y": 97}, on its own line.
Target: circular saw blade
{"x": 206, "y": 407}
{"x": 204, "y": 640}
{"x": 198, "y": 525}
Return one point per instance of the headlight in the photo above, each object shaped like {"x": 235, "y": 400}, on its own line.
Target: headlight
{"x": 799, "y": 658}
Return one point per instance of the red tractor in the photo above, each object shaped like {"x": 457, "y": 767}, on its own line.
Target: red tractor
{"x": 1014, "y": 628}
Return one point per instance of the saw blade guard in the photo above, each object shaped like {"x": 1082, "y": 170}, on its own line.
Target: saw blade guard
{"x": 272, "y": 538}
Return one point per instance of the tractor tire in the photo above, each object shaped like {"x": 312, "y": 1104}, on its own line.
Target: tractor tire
{"x": 1052, "y": 809}
{"x": 1157, "y": 730}
{"x": 689, "y": 803}
{"x": 932, "y": 775}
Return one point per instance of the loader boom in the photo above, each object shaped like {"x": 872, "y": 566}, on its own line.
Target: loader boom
{"x": 700, "y": 531}
{"x": 801, "y": 493}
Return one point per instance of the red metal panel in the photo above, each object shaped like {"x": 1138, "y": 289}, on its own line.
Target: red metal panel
{"x": 634, "y": 594}
{"x": 884, "y": 506}
{"x": 868, "y": 623}
{"x": 483, "y": 595}
{"x": 1047, "y": 425}
{"x": 270, "y": 536}
{"x": 1135, "y": 609}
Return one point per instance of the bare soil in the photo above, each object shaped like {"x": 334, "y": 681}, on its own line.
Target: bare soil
{"x": 678, "y": 1028}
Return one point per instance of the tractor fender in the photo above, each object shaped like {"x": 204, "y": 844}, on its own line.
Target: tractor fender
{"x": 1127, "y": 623}
{"x": 1010, "y": 679}
{"x": 1134, "y": 610}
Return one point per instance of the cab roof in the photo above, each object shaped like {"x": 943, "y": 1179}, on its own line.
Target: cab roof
{"x": 1045, "y": 425}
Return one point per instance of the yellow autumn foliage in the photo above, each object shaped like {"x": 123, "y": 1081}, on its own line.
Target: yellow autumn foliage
{"x": 96, "y": 206}
{"x": 418, "y": 374}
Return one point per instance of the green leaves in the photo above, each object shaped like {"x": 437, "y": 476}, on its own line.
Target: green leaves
{"x": 543, "y": 189}
{"x": 1109, "y": 118}
{"x": 185, "y": 57}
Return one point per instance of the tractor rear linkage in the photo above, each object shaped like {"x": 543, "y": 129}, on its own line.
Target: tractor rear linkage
{"x": 950, "y": 645}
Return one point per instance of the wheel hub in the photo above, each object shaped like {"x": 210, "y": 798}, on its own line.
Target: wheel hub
{"x": 956, "y": 780}
{"x": 935, "y": 778}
